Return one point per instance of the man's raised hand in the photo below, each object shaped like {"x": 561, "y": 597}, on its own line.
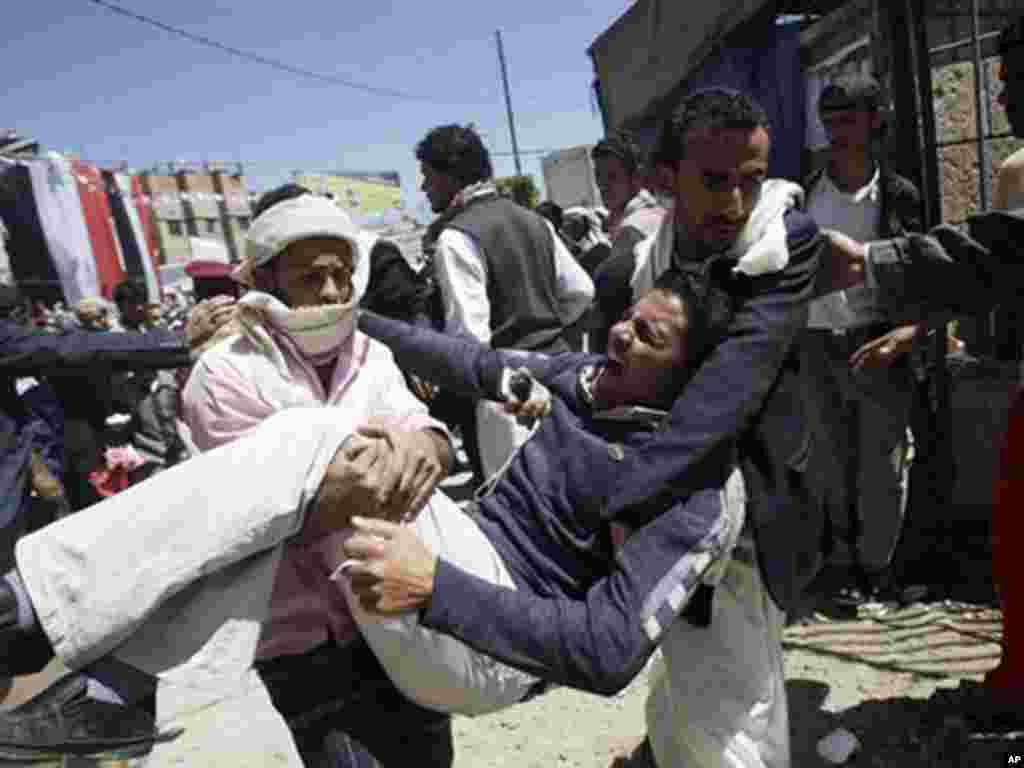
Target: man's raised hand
{"x": 843, "y": 264}
{"x": 207, "y": 317}
{"x": 527, "y": 399}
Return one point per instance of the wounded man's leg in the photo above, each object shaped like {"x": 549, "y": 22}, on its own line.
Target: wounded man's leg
{"x": 174, "y": 576}
{"x": 435, "y": 670}
{"x": 95, "y": 577}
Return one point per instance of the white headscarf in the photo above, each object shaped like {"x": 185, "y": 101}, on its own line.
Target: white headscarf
{"x": 302, "y": 218}
{"x": 316, "y": 332}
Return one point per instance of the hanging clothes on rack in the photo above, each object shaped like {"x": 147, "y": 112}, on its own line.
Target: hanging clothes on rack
{"x": 100, "y": 225}
{"x": 149, "y": 269}
{"x": 5, "y": 260}
{"x": 31, "y": 263}
{"x": 129, "y": 232}
{"x": 142, "y": 207}
{"x": 60, "y": 212}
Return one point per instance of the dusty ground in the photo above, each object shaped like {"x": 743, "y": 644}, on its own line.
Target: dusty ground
{"x": 900, "y": 679}
{"x": 890, "y": 679}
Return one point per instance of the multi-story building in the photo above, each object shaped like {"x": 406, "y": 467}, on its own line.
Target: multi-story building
{"x": 374, "y": 199}
{"x": 209, "y": 202}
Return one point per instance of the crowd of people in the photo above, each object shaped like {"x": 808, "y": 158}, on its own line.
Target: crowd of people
{"x": 225, "y": 508}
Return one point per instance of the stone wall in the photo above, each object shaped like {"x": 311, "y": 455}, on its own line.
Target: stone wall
{"x": 955, "y": 120}
{"x": 981, "y": 394}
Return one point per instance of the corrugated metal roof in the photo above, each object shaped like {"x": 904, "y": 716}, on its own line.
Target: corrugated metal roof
{"x": 654, "y": 46}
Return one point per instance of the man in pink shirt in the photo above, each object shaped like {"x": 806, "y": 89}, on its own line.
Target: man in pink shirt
{"x": 308, "y": 266}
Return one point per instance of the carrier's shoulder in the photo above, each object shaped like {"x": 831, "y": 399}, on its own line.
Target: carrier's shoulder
{"x": 802, "y": 231}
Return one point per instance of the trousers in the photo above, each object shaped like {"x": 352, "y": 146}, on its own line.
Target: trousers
{"x": 174, "y": 577}
{"x": 718, "y": 696}
{"x": 859, "y": 422}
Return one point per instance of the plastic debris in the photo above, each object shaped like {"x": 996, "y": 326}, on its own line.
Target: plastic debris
{"x": 838, "y": 747}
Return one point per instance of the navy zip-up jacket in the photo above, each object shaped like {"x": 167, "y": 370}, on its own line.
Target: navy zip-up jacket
{"x": 24, "y": 352}
{"x": 596, "y": 628}
{"x": 583, "y": 615}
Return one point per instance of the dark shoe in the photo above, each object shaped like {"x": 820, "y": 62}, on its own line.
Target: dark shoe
{"x": 22, "y": 652}
{"x": 902, "y": 594}
{"x": 63, "y": 720}
{"x": 849, "y": 597}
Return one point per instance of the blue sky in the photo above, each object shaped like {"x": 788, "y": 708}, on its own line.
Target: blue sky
{"x": 84, "y": 79}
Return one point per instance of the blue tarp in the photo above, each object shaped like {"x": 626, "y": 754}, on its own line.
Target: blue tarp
{"x": 763, "y": 60}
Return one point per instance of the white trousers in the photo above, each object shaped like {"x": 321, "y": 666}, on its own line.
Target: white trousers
{"x": 434, "y": 670}
{"x": 174, "y": 576}
{"x": 498, "y": 436}
{"x": 718, "y": 695}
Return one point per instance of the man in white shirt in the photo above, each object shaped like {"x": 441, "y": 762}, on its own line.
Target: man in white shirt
{"x": 859, "y": 383}
{"x": 506, "y": 278}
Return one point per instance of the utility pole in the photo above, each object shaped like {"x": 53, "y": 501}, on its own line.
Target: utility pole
{"x": 508, "y": 104}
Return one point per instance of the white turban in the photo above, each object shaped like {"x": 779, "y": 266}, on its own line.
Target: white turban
{"x": 302, "y": 218}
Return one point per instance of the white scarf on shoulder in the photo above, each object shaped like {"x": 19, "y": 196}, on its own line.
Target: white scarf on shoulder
{"x": 316, "y": 333}
{"x": 760, "y": 248}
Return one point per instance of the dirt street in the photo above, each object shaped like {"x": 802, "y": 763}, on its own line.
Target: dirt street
{"x": 903, "y": 680}
{"x": 890, "y": 678}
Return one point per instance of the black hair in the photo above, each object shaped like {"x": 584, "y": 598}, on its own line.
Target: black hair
{"x": 623, "y": 146}
{"x": 551, "y": 211}
{"x": 1012, "y": 36}
{"x": 130, "y": 292}
{"x": 852, "y": 90}
{"x": 716, "y": 109}
{"x": 208, "y": 287}
{"x": 708, "y": 313}
{"x": 456, "y": 151}
{"x": 278, "y": 195}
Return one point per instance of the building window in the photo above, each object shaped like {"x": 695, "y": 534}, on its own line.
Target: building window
{"x": 211, "y": 226}
{"x": 174, "y": 227}
{"x": 243, "y": 223}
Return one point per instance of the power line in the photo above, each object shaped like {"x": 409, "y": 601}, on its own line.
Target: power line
{"x": 322, "y": 166}
{"x": 524, "y": 152}
{"x": 284, "y": 67}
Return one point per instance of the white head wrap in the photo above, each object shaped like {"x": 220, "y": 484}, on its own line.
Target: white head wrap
{"x": 302, "y": 218}
{"x": 317, "y": 333}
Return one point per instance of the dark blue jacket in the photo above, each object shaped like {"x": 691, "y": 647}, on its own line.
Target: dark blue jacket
{"x": 24, "y": 352}
{"x": 748, "y": 390}
{"x": 582, "y": 615}
{"x": 47, "y": 427}
{"x": 595, "y": 629}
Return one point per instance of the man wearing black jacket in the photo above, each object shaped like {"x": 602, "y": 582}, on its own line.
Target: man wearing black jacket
{"x": 855, "y": 362}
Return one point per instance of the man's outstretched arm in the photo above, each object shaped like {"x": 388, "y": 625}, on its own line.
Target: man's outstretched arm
{"x": 943, "y": 272}
{"x": 457, "y": 363}
{"x": 26, "y": 353}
